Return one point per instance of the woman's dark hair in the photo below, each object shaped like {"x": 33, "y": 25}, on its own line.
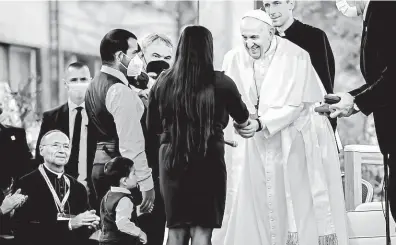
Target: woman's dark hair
{"x": 116, "y": 169}
{"x": 186, "y": 93}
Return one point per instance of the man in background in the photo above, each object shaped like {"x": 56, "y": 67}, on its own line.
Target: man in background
{"x": 157, "y": 47}
{"x": 71, "y": 119}
{"x": 157, "y": 55}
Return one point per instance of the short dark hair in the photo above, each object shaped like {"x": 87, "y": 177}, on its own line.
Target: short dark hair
{"x": 115, "y": 40}
{"x": 116, "y": 169}
{"x": 77, "y": 65}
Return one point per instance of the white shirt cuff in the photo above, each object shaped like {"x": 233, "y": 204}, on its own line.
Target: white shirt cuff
{"x": 69, "y": 225}
{"x": 356, "y": 107}
{"x": 147, "y": 184}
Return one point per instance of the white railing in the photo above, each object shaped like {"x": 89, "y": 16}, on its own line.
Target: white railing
{"x": 355, "y": 156}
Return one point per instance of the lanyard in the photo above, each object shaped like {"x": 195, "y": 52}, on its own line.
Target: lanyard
{"x": 59, "y": 205}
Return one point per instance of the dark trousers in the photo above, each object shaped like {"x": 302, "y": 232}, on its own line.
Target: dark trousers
{"x": 392, "y": 184}
{"x": 101, "y": 185}
{"x": 154, "y": 224}
{"x": 105, "y": 151}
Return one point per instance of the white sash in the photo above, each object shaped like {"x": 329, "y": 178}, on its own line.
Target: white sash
{"x": 59, "y": 205}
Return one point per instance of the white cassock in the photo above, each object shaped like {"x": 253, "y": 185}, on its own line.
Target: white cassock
{"x": 284, "y": 184}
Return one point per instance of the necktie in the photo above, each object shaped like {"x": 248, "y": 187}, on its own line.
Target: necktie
{"x": 72, "y": 165}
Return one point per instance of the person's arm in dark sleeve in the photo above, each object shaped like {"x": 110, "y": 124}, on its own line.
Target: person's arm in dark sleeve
{"x": 381, "y": 93}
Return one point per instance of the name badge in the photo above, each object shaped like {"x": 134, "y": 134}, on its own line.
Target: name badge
{"x": 62, "y": 216}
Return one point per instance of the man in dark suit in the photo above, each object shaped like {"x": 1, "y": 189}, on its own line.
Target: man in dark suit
{"x": 311, "y": 39}
{"x": 378, "y": 66}
{"x": 56, "y": 211}
{"x": 71, "y": 118}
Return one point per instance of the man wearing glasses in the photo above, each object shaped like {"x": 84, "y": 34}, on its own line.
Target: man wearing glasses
{"x": 71, "y": 119}
{"x": 57, "y": 209}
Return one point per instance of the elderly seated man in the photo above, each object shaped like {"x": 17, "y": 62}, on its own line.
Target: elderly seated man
{"x": 56, "y": 211}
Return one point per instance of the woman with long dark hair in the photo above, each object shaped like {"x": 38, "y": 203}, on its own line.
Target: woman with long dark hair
{"x": 189, "y": 107}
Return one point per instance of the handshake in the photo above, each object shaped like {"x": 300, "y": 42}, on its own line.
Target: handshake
{"x": 338, "y": 105}
{"x": 247, "y": 129}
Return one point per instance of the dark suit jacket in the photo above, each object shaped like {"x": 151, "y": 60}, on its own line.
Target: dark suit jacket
{"x": 36, "y": 221}
{"x": 15, "y": 156}
{"x": 378, "y": 66}
{"x": 58, "y": 118}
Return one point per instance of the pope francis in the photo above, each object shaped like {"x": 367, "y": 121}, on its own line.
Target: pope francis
{"x": 285, "y": 182}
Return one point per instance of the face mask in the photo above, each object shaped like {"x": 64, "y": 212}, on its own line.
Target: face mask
{"x": 346, "y": 9}
{"x": 157, "y": 66}
{"x": 78, "y": 87}
{"x": 135, "y": 66}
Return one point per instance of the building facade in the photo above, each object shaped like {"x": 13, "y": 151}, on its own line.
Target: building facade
{"x": 38, "y": 39}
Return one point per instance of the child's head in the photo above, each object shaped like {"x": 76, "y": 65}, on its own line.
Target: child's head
{"x": 119, "y": 172}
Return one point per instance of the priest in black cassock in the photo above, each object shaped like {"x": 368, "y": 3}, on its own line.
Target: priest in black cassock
{"x": 56, "y": 211}
{"x": 311, "y": 39}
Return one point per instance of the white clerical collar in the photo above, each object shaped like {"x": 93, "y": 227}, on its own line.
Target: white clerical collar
{"x": 365, "y": 10}
{"x": 120, "y": 189}
{"x": 73, "y": 106}
{"x": 59, "y": 175}
{"x": 115, "y": 73}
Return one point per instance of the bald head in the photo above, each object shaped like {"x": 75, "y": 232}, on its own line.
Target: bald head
{"x": 55, "y": 148}
{"x": 257, "y": 36}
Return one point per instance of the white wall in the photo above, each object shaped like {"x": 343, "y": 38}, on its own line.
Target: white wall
{"x": 222, "y": 18}
{"x": 24, "y": 23}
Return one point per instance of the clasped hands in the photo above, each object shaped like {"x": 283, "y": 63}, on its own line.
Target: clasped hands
{"x": 11, "y": 202}
{"x": 344, "y": 108}
{"x": 249, "y": 130}
{"x": 88, "y": 218}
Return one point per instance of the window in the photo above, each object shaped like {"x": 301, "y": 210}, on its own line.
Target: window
{"x": 18, "y": 70}
{"x": 18, "y": 66}
{"x": 3, "y": 63}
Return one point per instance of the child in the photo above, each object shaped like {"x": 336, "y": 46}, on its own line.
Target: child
{"x": 117, "y": 209}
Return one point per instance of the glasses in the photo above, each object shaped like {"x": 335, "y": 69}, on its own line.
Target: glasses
{"x": 59, "y": 146}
